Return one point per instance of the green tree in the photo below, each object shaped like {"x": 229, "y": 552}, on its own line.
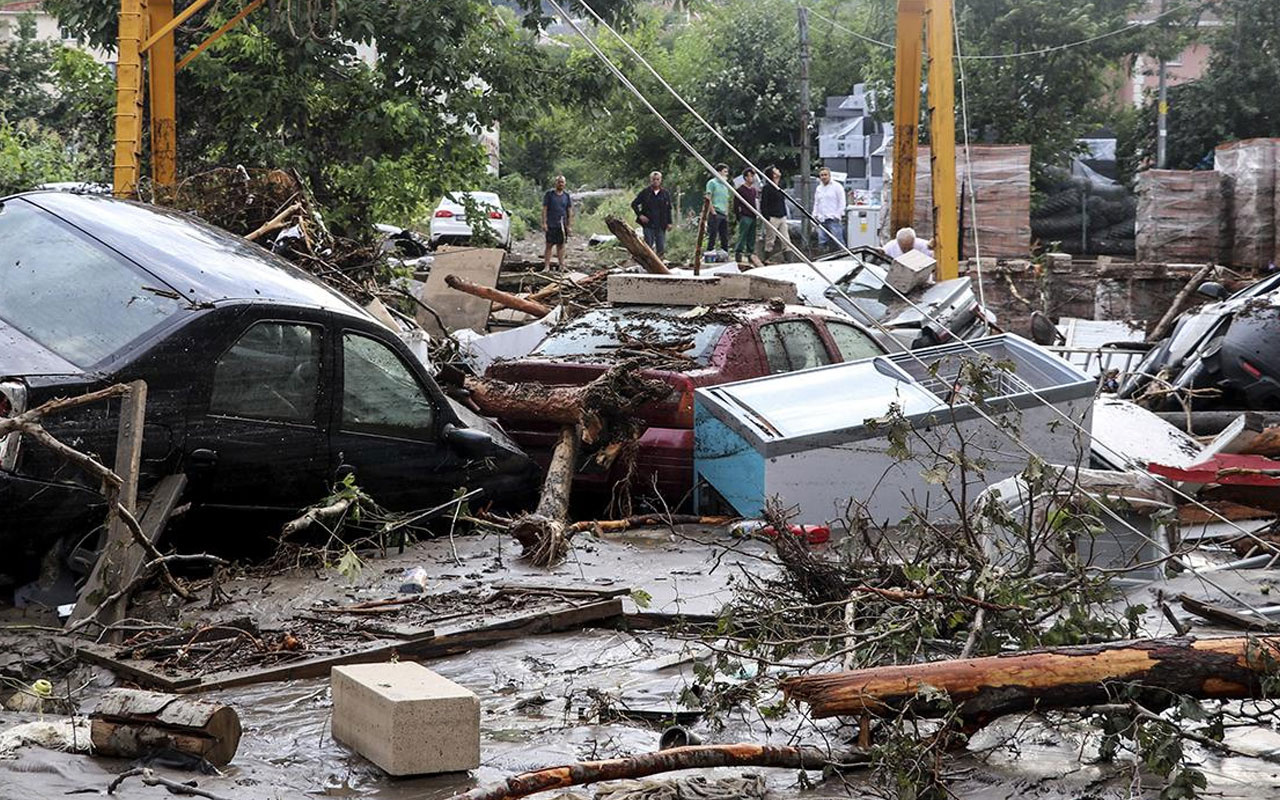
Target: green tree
{"x": 1238, "y": 97}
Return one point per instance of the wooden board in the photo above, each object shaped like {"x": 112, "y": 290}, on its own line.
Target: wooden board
{"x": 459, "y": 310}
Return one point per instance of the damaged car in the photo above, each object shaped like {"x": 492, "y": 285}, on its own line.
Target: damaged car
{"x": 265, "y": 386}
{"x": 943, "y": 311}
{"x": 1221, "y": 355}
{"x": 686, "y": 348}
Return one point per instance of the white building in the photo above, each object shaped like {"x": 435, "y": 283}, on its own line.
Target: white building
{"x": 47, "y": 28}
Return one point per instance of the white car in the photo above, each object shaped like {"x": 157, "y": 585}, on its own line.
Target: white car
{"x": 449, "y": 222}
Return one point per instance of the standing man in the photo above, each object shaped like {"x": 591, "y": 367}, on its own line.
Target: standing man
{"x": 828, "y": 208}
{"x": 718, "y": 223}
{"x": 653, "y": 212}
{"x": 744, "y": 206}
{"x": 773, "y": 207}
{"x": 557, "y": 215}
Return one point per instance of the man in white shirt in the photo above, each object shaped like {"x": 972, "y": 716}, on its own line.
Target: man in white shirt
{"x": 905, "y": 242}
{"x": 828, "y": 207}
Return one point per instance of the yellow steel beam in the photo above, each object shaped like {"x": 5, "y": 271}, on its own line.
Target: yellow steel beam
{"x": 163, "y": 94}
{"x": 906, "y": 110}
{"x": 942, "y": 138}
{"x": 220, "y": 32}
{"x": 128, "y": 137}
{"x": 167, "y": 29}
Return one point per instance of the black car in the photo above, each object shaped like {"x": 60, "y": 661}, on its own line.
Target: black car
{"x": 264, "y": 385}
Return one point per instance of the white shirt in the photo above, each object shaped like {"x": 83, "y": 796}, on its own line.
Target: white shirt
{"x": 893, "y": 249}
{"x": 828, "y": 201}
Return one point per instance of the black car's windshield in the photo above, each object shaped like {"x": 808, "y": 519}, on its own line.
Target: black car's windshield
{"x": 71, "y": 294}
{"x": 611, "y": 332}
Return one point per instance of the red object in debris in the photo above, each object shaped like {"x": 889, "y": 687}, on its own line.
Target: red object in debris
{"x": 1226, "y": 469}
{"x": 815, "y": 534}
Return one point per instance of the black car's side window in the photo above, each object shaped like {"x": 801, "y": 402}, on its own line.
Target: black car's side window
{"x": 380, "y": 393}
{"x": 272, "y": 372}
{"x": 793, "y": 344}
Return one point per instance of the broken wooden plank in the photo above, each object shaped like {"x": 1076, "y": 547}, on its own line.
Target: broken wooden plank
{"x": 108, "y": 575}
{"x": 423, "y": 647}
{"x": 981, "y": 689}
{"x": 136, "y": 671}
{"x": 1226, "y": 616}
{"x": 455, "y": 309}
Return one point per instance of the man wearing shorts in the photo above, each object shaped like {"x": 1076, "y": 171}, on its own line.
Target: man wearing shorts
{"x": 557, "y": 214}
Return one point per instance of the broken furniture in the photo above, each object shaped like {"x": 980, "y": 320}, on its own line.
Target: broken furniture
{"x": 823, "y": 437}
{"x": 405, "y": 718}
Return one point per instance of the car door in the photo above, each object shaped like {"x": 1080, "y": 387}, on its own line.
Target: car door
{"x": 257, "y": 436}
{"x": 792, "y": 344}
{"x": 387, "y": 427}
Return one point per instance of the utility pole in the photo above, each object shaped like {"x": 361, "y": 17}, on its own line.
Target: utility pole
{"x": 1162, "y": 108}
{"x": 802, "y": 22}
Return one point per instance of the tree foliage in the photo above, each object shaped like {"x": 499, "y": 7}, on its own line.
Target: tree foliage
{"x": 1238, "y": 97}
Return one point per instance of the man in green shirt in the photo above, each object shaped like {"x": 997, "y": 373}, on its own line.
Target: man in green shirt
{"x": 718, "y": 220}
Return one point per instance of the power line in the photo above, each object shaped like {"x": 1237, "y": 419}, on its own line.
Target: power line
{"x": 1131, "y": 26}
{"x": 617, "y": 72}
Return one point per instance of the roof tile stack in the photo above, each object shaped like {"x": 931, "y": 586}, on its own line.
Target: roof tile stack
{"x": 1181, "y": 216}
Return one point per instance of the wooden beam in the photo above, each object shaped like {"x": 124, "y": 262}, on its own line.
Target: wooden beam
{"x": 907, "y": 71}
{"x": 108, "y": 576}
{"x": 639, "y": 250}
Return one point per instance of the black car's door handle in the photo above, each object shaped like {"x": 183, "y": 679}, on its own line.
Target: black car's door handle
{"x": 203, "y": 458}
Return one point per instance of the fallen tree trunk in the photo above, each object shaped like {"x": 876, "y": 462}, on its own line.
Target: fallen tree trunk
{"x": 619, "y": 525}
{"x": 527, "y": 401}
{"x": 677, "y": 758}
{"x": 636, "y": 246}
{"x": 544, "y": 534}
{"x": 129, "y": 723}
{"x": 507, "y": 299}
{"x": 985, "y": 688}
{"x": 1175, "y": 308}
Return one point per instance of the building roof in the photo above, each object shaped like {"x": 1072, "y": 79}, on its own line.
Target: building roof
{"x": 20, "y": 6}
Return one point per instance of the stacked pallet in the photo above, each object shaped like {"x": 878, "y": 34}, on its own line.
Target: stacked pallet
{"x": 1181, "y": 216}
{"x": 1002, "y": 186}
{"x": 1249, "y": 169}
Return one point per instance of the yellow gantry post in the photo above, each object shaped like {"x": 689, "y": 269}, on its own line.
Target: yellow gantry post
{"x": 160, "y": 72}
{"x": 128, "y": 141}
{"x": 942, "y": 138}
{"x": 906, "y": 110}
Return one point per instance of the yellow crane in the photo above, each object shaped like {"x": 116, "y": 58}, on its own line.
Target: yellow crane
{"x": 146, "y": 32}
{"x": 921, "y": 22}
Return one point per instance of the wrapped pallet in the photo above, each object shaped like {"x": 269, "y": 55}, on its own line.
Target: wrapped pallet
{"x": 1249, "y": 168}
{"x": 1180, "y": 216}
{"x": 1002, "y": 185}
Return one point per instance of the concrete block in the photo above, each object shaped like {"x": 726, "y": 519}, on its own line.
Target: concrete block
{"x": 696, "y": 290}
{"x": 405, "y": 718}
{"x": 910, "y": 270}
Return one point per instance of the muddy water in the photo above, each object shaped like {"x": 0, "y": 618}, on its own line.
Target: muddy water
{"x": 539, "y": 696}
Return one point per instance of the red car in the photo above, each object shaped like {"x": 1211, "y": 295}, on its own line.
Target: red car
{"x": 722, "y": 343}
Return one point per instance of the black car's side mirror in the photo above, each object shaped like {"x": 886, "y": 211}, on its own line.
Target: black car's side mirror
{"x": 468, "y": 441}
{"x": 1212, "y": 290}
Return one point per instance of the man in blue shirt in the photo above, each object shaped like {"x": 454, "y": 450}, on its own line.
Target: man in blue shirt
{"x": 557, "y": 215}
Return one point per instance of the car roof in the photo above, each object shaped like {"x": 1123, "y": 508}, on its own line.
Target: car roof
{"x": 202, "y": 263}
{"x": 455, "y": 198}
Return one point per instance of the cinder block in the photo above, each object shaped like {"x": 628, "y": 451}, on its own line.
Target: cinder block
{"x": 910, "y": 270}
{"x": 405, "y": 718}
{"x": 696, "y": 290}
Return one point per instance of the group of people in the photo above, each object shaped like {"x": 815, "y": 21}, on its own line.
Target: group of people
{"x": 752, "y": 204}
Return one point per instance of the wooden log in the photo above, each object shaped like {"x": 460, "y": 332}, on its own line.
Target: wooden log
{"x": 619, "y": 525}
{"x": 676, "y": 758}
{"x": 507, "y": 299}
{"x": 1162, "y": 327}
{"x": 129, "y": 723}
{"x": 702, "y": 232}
{"x": 108, "y": 574}
{"x": 544, "y": 534}
{"x": 527, "y": 401}
{"x": 985, "y": 688}
{"x": 636, "y": 246}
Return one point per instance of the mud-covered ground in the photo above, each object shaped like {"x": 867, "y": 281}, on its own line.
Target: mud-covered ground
{"x": 546, "y": 699}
